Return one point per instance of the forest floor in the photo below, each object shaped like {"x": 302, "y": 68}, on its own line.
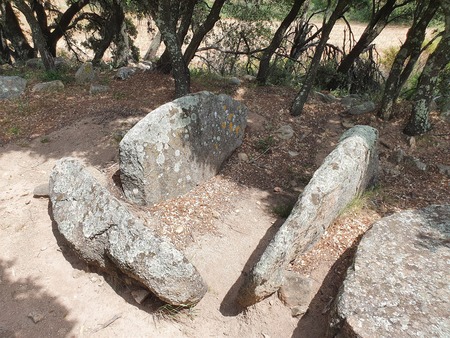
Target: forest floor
{"x": 222, "y": 225}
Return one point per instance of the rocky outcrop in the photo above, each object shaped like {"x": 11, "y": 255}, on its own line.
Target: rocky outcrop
{"x": 179, "y": 145}
{"x": 345, "y": 173}
{"x": 103, "y": 232}
{"x": 399, "y": 284}
{"x": 11, "y": 87}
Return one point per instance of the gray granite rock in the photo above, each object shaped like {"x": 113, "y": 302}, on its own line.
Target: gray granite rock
{"x": 103, "y": 232}
{"x": 11, "y": 87}
{"x": 179, "y": 145}
{"x": 85, "y": 74}
{"x": 363, "y": 108}
{"x": 124, "y": 73}
{"x": 399, "y": 284}
{"x": 41, "y": 190}
{"x": 97, "y": 88}
{"x": 444, "y": 169}
{"x": 51, "y": 86}
{"x": 345, "y": 173}
{"x": 296, "y": 292}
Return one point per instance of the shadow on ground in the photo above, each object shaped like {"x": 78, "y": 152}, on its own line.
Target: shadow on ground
{"x": 27, "y": 309}
{"x": 230, "y": 306}
{"x": 317, "y": 319}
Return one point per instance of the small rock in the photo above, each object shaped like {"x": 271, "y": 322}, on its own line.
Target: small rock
{"x": 415, "y": 163}
{"x": 397, "y": 156}
{"x": 277, "y": 189}
{"x": 296, "y": 293}
{"x": 285, "y": 132}
{"x": 350, "y": 100}
{"x": 36, "y": 317}
{"x": 249, "y": 78}
{"x": 140, "y": 295}
{"x": 325, "y": 98}
{"x": 96, "y": 88}
{"x": 215, "y": 214}
{"x": 362, "y": 108}
{"x": 293, "y": 153}
{"x": 444, "y": 169}
{"x": 179, "y": 230}
{"x": 51, "y": 86}
{"x": 412, "y": 142}
{"x": 41, "y": 191}
{"x": 297, "y": 311}
{"x": 347, "y": 124}
{"x": 243, "y": 157}
{"x": 235, "y": 81}
{"x": 125, "y": 73}
{"x": 146, "y": 65}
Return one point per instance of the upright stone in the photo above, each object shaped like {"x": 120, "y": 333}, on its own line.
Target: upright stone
{"x": 85, "y": 74}
{"x": 179, "y": 145}
{"x": 345, "y": 173}
{"x": 103, "y": 232}
{"x": 11, "y": 87}
{"x": 399, "y": 284}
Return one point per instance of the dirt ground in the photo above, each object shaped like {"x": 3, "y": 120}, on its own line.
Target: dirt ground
{"x": 222, "y": 226}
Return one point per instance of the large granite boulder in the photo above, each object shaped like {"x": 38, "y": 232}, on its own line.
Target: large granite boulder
{"x": 11, "y": 87}
{"x": 345, "y": 173}
{"x": 179, "y": 145}
{"x": 103, "y": 232}
{"x": 399, "y": 284}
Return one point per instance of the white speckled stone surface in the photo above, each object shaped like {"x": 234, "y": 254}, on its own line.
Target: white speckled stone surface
{"x": 399, "y": 285}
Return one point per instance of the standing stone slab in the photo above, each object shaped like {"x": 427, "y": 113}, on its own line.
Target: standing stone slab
{"x": 344, "y": 174}
{"x": 85, "y": 74}
{"x": 103, "y": 232}
{"x": 11, "y": 87}
{"x": 179, "y": 145}
{"x": 399, "y": 284}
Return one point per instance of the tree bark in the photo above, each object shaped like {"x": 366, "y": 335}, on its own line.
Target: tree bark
{"x": 419, "y": 122}
{"x": 406, "y": 58}
{"x": 13, "y": 32}
{"x": 112, "y": 27}
{"x": 375, "y": 26}
{"x": 297, "y": 106}
{"x": 153, "y": 49}
{"x": 38, "y": 37}
{"x": 264, "y": 63}
{"x": 5, "y": 52}
{"x": 165, "y": 13}
{"x": 203, "y": 29}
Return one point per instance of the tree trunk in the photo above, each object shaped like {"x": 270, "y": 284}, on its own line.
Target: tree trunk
{"x": 264, "y": 63}
{"x": 375, "y": 26}
{"x": 166, "y": 16}
{"x": 13, "y": 32}
{"x": 5, "y": 52}
{"x": 409, "y": 54}
{"x": 203, "y": 29}
{"x": 419, "y": 122}
{"x": 38, "y": 37}
{"x": 154, "y": 46}
{"x": 112, "y": 27}
{"x": 297, "y": 106}
{"x": 63, "y": 24}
